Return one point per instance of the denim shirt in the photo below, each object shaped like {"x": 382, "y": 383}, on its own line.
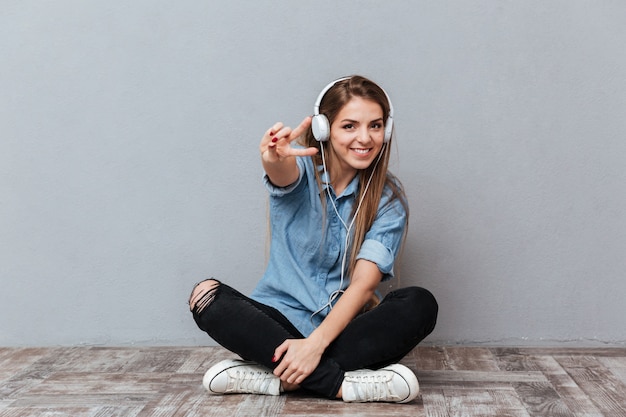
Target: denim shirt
{"x": 304, "y": 266}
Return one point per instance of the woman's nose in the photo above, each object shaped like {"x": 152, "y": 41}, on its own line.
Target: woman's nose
{"x": 363, "y": 135}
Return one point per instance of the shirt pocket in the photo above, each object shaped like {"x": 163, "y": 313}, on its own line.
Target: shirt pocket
{"x": 307, "y": 242}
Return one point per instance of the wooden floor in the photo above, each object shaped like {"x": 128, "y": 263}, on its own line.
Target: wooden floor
{"x": 454, "y": 381}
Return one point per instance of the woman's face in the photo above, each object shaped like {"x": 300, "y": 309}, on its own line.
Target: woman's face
{"x": 356, "y": 134}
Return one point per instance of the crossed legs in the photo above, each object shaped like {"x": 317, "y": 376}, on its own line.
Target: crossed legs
{"x": 373, "y": 340}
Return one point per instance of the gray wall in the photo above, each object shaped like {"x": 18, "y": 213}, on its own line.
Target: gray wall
{"x": 129, "y": 158}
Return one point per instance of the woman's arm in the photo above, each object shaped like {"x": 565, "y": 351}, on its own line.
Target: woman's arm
{"x": 277, "y": 155}
{"x": 363, "y": 284}
{"x": 301, "y": 356}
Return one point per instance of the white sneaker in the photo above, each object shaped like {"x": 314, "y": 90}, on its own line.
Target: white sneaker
{"x": 394, "y": 383}
{"x": 234, "y": 376}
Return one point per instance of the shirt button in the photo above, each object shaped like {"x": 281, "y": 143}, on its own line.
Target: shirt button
{"x": 335, "y": 248}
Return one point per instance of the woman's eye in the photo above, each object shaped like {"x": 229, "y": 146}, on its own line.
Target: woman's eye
{"x": 348, "y": 126}
{"x": 377, "y": 126}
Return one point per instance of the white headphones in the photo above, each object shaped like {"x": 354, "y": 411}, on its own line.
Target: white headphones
{"x": 321, "y": 126}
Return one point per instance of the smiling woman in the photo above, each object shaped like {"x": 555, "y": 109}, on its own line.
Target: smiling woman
{"x": 310, "y": 323}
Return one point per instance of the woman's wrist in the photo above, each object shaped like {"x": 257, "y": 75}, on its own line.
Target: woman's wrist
{"x": 281, "y": 173}
{"x": 319, "y": 339}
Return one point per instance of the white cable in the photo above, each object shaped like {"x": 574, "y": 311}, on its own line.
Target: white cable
{"x": 335, "y": 294}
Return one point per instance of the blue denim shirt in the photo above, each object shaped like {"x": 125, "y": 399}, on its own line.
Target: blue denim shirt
{"x": 304, "y": 266}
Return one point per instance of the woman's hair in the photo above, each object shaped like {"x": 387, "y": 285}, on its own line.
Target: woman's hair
{"x": 333, "y": 101}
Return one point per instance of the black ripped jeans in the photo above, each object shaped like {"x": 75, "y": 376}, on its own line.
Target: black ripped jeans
{"x": 372, "y": 340}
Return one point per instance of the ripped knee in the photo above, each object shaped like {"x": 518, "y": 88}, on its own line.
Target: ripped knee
{"x": 202, "y": 295}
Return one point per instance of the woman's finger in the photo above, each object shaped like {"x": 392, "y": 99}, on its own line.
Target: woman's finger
{"x": 302, "y": 127}
{"x": 280, "y": 351}
{"x": 303, "y": 152}
{"x": 278, "y": 354}
{"x": 293, "y": 378}
{"x": 274, "y": 129}
{"x": 283, "y": 133}
{"x": 266, "y": 140}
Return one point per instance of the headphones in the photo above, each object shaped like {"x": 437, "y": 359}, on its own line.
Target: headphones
{"x": 321, "y": 126}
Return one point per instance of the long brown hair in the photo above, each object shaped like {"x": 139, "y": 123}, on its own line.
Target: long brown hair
{"x": 332, "y": 103}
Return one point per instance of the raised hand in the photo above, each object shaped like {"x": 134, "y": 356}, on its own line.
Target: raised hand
{"x": 276, "y": 143}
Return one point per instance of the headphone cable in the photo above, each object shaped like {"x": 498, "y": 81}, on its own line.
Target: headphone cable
{"x": 335, "y": 294}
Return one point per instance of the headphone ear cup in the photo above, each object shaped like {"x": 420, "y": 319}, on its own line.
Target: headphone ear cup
{"x": 320, "y": 128}
{"x": 388, "y": 129}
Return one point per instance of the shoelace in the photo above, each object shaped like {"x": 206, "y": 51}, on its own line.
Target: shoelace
{"x": 373, "y": 386}
{"x": 251, "y": 382}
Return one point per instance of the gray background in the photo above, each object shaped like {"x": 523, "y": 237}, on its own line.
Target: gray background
{"x": 129, "y": 164}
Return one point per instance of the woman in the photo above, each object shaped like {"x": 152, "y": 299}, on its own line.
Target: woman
{"x": 338, "y": 219}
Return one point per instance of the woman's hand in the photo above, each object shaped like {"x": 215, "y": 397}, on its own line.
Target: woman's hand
{"x": 300, "y": 357}
{"x": 278, "y": 156}
{"x": 276, "y": 143}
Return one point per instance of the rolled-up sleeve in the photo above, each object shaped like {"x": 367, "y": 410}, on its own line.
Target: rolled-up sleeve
{"x": 281, "y": 191}
{"x": 382, "y": 242}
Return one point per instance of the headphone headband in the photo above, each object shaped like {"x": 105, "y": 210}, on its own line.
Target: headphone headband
{"x": 321, "y": 126}
{"x": 316, "y": 108}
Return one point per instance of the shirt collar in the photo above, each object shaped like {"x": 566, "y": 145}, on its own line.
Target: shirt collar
{"x": 351, "y": 189}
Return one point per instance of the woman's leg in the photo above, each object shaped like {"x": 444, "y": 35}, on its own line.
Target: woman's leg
{"x": 387, "y": 333}
{"x": 379, "y": 339}
{"x": 245, "y": 327}
{"x": 253, "y": 331}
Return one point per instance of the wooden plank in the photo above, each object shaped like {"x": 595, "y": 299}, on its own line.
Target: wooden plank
{"x": 485, "y": 403}
{"x": 130, "y": 383}
{"x": 157, "y": 360}
{"x": 471, "y": 359}
{"x": 14, "y": 359}
{"x": 540, "y": 399}
{"x": 574, "y": 351}
{"x": 118, "y": 411}
{"x": 196, "y": 360}
{"x": 85, "y": 359}
{"x": 606, "y": 391}
{"x": 39, "y": 412}
{"x": 434, "y": 403}
{"x": 573, "y": 397}
{"x": 433, "y": 377}
{"x": 68, "y": 401}
{"x": 617, "y": 365}
{"x": 261, "y": 405}
{"x": 167, "y": 404}
{"x": 300, "y": 404}
{"x": 211, "y": 406}
{"x": 427, "y": 358}
{"x": 512, "y": 359}
{"x": 6, "y": 403}
{"x": 30, "y": 369}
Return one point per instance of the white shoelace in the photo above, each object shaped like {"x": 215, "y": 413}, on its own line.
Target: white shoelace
{"x": 372, "y": 385}
{"x": 249, "y": 381}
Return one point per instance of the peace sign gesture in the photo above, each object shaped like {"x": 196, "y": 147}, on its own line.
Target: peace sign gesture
{"x": 276, "y": 143}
